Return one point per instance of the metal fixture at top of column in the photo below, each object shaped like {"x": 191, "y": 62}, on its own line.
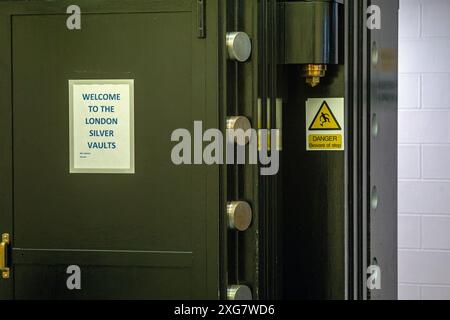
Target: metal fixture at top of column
{"x": 239, "y": 46}
{"x": 311, "y": 36}
{"x": 313, "y": 73}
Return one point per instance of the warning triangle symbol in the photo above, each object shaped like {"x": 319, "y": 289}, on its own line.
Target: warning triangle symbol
{"x": 325, "y": 119}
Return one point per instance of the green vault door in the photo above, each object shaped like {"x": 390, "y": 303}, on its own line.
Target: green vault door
{"x": 151, "y": 234}
{"x": 139, "y": 226}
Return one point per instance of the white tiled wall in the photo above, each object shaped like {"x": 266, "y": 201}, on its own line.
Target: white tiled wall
{"x": 424, "y": 150}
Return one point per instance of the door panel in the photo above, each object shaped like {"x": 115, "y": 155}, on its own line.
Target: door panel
{"x": 103, "y": 282}
{"x": 139, "y": 235}
{"x": 95, "y": 205}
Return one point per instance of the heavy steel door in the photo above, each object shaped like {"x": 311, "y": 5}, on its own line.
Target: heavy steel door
{"x": 164, "y": 230}
{"x": 151, "y": 234}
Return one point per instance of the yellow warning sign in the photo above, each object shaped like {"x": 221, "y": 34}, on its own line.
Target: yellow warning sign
{"x": 325, "y": 141}
{"x": 325, "y": 119}
{"x": 325, "y": 124}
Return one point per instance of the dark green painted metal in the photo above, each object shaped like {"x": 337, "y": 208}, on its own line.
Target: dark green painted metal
{"x": 270, "y": 212}
{"x": 331, "y": 237}
{"x": 314, "y": 25}
{"x": 356, "y": 104}
{"x": 216, "y": 203}
{"x": 314, "y": 213}
{"x": 163, "y": 231}
{"x": 241, "y": 97}
{"x": 125, "y": 231}
{"x": 314, "y": 206}
{"x": 6, "y": 163}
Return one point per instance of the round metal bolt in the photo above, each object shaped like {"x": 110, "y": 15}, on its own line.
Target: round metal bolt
{"x": 239, "y": 292}
{"x": 239, "y": 46}
{"x": 240, "y": 126}
{"x": 239, "y": 215}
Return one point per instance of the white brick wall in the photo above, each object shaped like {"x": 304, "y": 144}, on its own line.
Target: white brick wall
{"x": 424, "y": 150}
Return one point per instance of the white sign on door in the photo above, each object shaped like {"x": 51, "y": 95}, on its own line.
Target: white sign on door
{"x": 101, "y": 126}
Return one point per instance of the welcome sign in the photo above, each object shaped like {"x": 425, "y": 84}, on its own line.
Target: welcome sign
{"x": 101, "y": 126}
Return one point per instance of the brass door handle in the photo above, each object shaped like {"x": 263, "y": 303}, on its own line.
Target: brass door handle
{"x": 4, "y": 269}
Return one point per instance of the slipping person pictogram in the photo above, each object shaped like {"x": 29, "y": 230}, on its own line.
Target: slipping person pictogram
{"x": 325, "y": 119}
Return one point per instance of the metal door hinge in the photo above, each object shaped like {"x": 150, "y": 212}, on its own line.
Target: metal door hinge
{"x": 4, "y": 244}
{"x": 201, "y": 17}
